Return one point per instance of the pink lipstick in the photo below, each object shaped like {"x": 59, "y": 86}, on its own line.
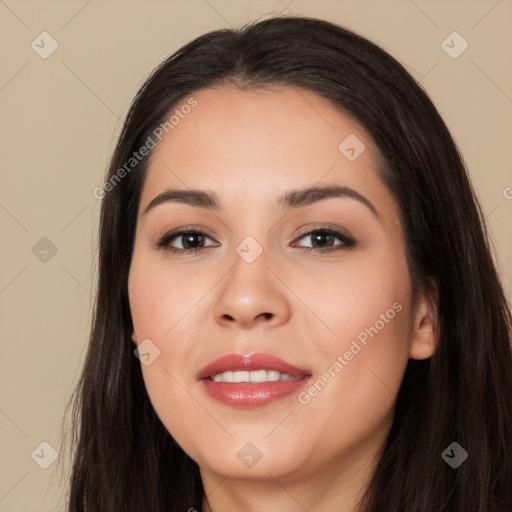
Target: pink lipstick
{"x": 251, "y": 381}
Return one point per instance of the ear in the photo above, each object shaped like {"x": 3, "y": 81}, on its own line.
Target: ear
{"x": 424, "y": 337}
{"x": 134, "y": 338}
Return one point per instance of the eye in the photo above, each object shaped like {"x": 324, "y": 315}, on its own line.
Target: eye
{"x": 325, "y": 237}
{"x": 193, "y": 241}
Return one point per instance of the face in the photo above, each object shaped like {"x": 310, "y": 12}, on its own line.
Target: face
{"x": 320, "y": 282}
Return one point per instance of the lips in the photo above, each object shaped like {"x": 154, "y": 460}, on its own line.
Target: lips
{"x": 248, "y": 395}
{"x": 258, "y": 361}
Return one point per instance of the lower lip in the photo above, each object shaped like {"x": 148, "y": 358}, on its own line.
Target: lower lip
{"x": 247, "y": 395}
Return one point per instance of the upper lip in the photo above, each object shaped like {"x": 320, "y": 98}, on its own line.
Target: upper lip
{"x": 257, "y": 361}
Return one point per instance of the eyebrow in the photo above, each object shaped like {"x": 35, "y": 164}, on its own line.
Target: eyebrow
{"x": 296, "y": 198}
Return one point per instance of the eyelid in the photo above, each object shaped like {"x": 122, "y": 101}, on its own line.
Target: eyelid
{"x": 180, "y": 231}
{"x": 305, "y": 230}
{"x": 314, "y": 226}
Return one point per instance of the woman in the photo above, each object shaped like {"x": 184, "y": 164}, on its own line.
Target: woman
{"x": 236, "y": 362}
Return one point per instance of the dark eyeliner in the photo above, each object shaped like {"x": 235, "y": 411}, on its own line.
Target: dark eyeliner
{"x": 347, "y": 242}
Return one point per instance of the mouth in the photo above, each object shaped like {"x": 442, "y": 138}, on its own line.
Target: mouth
{"x": 251, "y": 381}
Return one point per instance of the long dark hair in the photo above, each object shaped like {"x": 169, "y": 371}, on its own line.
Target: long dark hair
{"x": 124, "y": 458}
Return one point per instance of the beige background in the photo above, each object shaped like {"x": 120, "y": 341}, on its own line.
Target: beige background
{"x": 60, "y": 120}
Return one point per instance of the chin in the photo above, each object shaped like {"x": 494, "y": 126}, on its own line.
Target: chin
{"x": 254, "y": 460}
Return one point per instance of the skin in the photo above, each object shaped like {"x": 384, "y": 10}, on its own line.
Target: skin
{"x": 250, "y": 147}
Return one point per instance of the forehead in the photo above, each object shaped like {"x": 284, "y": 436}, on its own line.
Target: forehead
{"x": 252, "y": 145}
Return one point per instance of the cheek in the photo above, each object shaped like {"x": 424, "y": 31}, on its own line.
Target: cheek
{"x": 363, "y": 353}
{"x": 164, "y": 306}
{"x": 159, "y": 302}
{"x": 170, "y": 307}
{"x": 160, "y": 297}
{"x": 361, "y": 299}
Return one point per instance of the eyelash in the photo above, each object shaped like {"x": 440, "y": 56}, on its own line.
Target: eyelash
{"x": 348, "y": 242}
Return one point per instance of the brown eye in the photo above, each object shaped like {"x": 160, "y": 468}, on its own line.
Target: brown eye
{"x": 191, "y": 241}
{"x": 325, "y": 238}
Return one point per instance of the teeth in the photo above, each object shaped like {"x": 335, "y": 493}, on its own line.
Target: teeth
{"x": 253, "y": 376}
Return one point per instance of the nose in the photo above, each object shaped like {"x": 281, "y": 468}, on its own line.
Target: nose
{"x": 252, "y": 294}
